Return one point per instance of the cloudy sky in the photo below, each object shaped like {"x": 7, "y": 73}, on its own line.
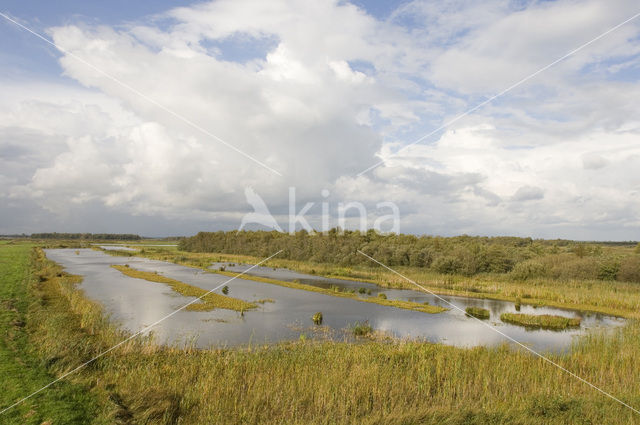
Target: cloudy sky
{"x": 154, "y": 118}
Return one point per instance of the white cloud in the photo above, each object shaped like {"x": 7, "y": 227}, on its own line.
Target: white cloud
{"x": 332, "y": 88}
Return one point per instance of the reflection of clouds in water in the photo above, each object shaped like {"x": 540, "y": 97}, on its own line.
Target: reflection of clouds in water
{"x": 137, "y": 303}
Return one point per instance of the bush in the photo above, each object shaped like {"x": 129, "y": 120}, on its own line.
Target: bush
{"x": 447, "y": 265}
{"x": 629, "y": 270}
{"x": 609, "y": 270}
{"x": 528, "y": 270}
{"x": 576, "y": 268}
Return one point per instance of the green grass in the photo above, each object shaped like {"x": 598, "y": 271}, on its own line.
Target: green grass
{"x": 208, "y": 301}
{"x": 542, "y": 321}
{"x": 372, "y": 382}
{"x": 21, "y": 371}
{"x": 480, "y": 313}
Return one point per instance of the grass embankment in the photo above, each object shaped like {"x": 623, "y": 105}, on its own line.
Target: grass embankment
{"x": 542, "y": 321}
{"x": 209, "y": 301}
{"x": 22, "y": 371}
{"x": 408, "y": 305}
{"x": 477, "y": 312}
{"x": 317, "y": 383}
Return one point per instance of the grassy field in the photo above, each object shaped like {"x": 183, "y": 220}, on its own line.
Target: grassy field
{"x": 401, "y": 382}
{"x": 208, "y": 301}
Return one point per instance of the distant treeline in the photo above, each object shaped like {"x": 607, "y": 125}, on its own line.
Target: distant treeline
{"x": 522, "y": 258}
{"x": 87, "y": 236}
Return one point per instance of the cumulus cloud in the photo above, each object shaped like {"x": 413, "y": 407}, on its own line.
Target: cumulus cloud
{"x": 320, "y": 91}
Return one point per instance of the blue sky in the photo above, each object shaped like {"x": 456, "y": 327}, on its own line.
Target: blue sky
{"x": 321, "y": 91}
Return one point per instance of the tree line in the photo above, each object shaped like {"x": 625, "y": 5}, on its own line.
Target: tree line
{"x": 522, "y": 258}
{"x": 87, "y": 236}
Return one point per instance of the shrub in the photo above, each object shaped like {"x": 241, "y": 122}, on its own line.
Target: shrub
{"x": 528, "y": 270}
{"x": 382, "y": 295}
{"x": 317, "y": 318}
{"x": 609, "y": 270}
{"x": 629, "y": 270}
{"x": 576, "y": 268}
{"x": 447, "y": 265}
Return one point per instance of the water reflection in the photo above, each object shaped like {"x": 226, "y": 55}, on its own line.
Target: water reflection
{"x": 116, "y": 248}
{"x": 136, "y": 303}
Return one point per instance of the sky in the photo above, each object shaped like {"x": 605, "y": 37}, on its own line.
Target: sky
{"x": 158, "y": 117}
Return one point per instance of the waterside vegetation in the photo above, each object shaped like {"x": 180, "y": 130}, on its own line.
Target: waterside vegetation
{"x": 478, "y": 313}
{"x": 541, "y": 321}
